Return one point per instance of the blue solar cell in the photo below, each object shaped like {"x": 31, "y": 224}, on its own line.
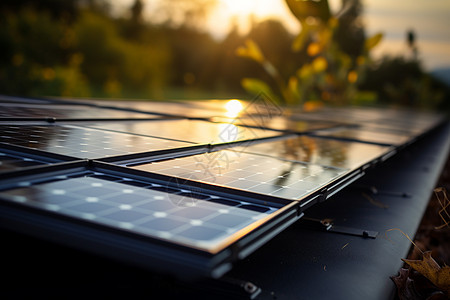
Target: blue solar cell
{"x": 203, "y": 233}
{"x": 158, "y": 205}
{"x": 226, "y": 220}
{"x": 162, "y": 224}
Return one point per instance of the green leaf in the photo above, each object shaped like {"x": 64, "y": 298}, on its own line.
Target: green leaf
{"x": 301, "y": 39}
{"x": 251, "y": 50}
{"x": 257, "y": 86}
{"x": 293, "y": 88}
{"x": 303, "y": 9}
{"x": 373, "y": 41}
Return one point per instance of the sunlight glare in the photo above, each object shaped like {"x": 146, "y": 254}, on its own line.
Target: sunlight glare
{"x": 228, "y": 132}
{"x": 233, "y": 107}
{"x": 239, "y": 7}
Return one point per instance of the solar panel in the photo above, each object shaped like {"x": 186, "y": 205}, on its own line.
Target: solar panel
{"x": 249, "y": 172}
{"x": 278, "y": 123}
{"x": 189, "y": 109}
{"x": 194, "y": 131}
{"x": 183, "y": 196}
{"x": 393, "y": 119}
{"x": 81, "y": 142}
{"x": 158, "y": 218}
{"x": 14, "y": 161}
{"x": 366, "y": 135}
{"x": 198, "y": 223}
{"x": 26, "y": 110}
{"x": 326, "y": 152}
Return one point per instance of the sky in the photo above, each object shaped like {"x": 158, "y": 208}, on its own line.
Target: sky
{"x": 429, "y": 19}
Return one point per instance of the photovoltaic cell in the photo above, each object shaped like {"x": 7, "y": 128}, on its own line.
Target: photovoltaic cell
{"x": 326, "y": 152}
{"x": 81, "y": 142}
{"x": 249, "y": 172}
{"x": 176, "y": 218}
{"x": 194, "y": 131}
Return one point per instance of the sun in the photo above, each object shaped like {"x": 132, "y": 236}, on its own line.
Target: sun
{"x": 233, "y": 107}
{"x": 243, "y": 12}
{"x": 239, "y": 7}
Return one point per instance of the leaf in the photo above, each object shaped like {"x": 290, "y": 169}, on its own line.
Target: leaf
{"x": 256, "y": 86}
{"x": 304, "y": 9}
{"x": 301, "y": 38}
{"x": 251, "y": 50}
{"x": 405, "y": 286}
{"x": 373, "y": 41}
{"x": 319, "y": 64}
{"x": 429, "y": 268}
{"x": 294, "y": 95}
{"x": 314, "y": 49}
{"x": 305, "y": 72}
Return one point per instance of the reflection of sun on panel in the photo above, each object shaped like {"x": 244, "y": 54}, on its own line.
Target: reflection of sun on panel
{"x": 234, "y": 108}
{"x": 228, "y": 133}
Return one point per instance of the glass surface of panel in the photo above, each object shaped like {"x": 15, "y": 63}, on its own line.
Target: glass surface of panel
{"x": 249, "y": 172}
{"x": 190, "y": 109}
{"x": 193, "y": 131}
{"x": 326, "y": 152}
{"x": 277, "y": 123}
{"x": 365, "y": 135}
{"x": 81, "y": 142}
{"x": 11, "y": 162}
{"x": 177, "y": 218}
{"x": 408, "y": 121}
{"x": 66, "y": 112}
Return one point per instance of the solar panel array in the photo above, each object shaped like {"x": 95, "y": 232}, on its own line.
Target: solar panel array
{"x": 184, "y": 178}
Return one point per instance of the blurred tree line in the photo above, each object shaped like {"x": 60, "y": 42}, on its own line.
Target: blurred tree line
{"x": 80, "y": 48}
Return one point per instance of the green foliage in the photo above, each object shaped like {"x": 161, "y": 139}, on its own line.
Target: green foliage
{"x": 43, "y": 55}
{"x": 112, "y": 62}
{"x": 402, "y": 82}
{"x": 327, "y": 72}
{"x": 334, "y": 64}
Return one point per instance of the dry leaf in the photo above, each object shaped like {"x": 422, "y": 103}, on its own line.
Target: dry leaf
{"x": 405, "y": 286}
{"x": 429, "y": 268}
